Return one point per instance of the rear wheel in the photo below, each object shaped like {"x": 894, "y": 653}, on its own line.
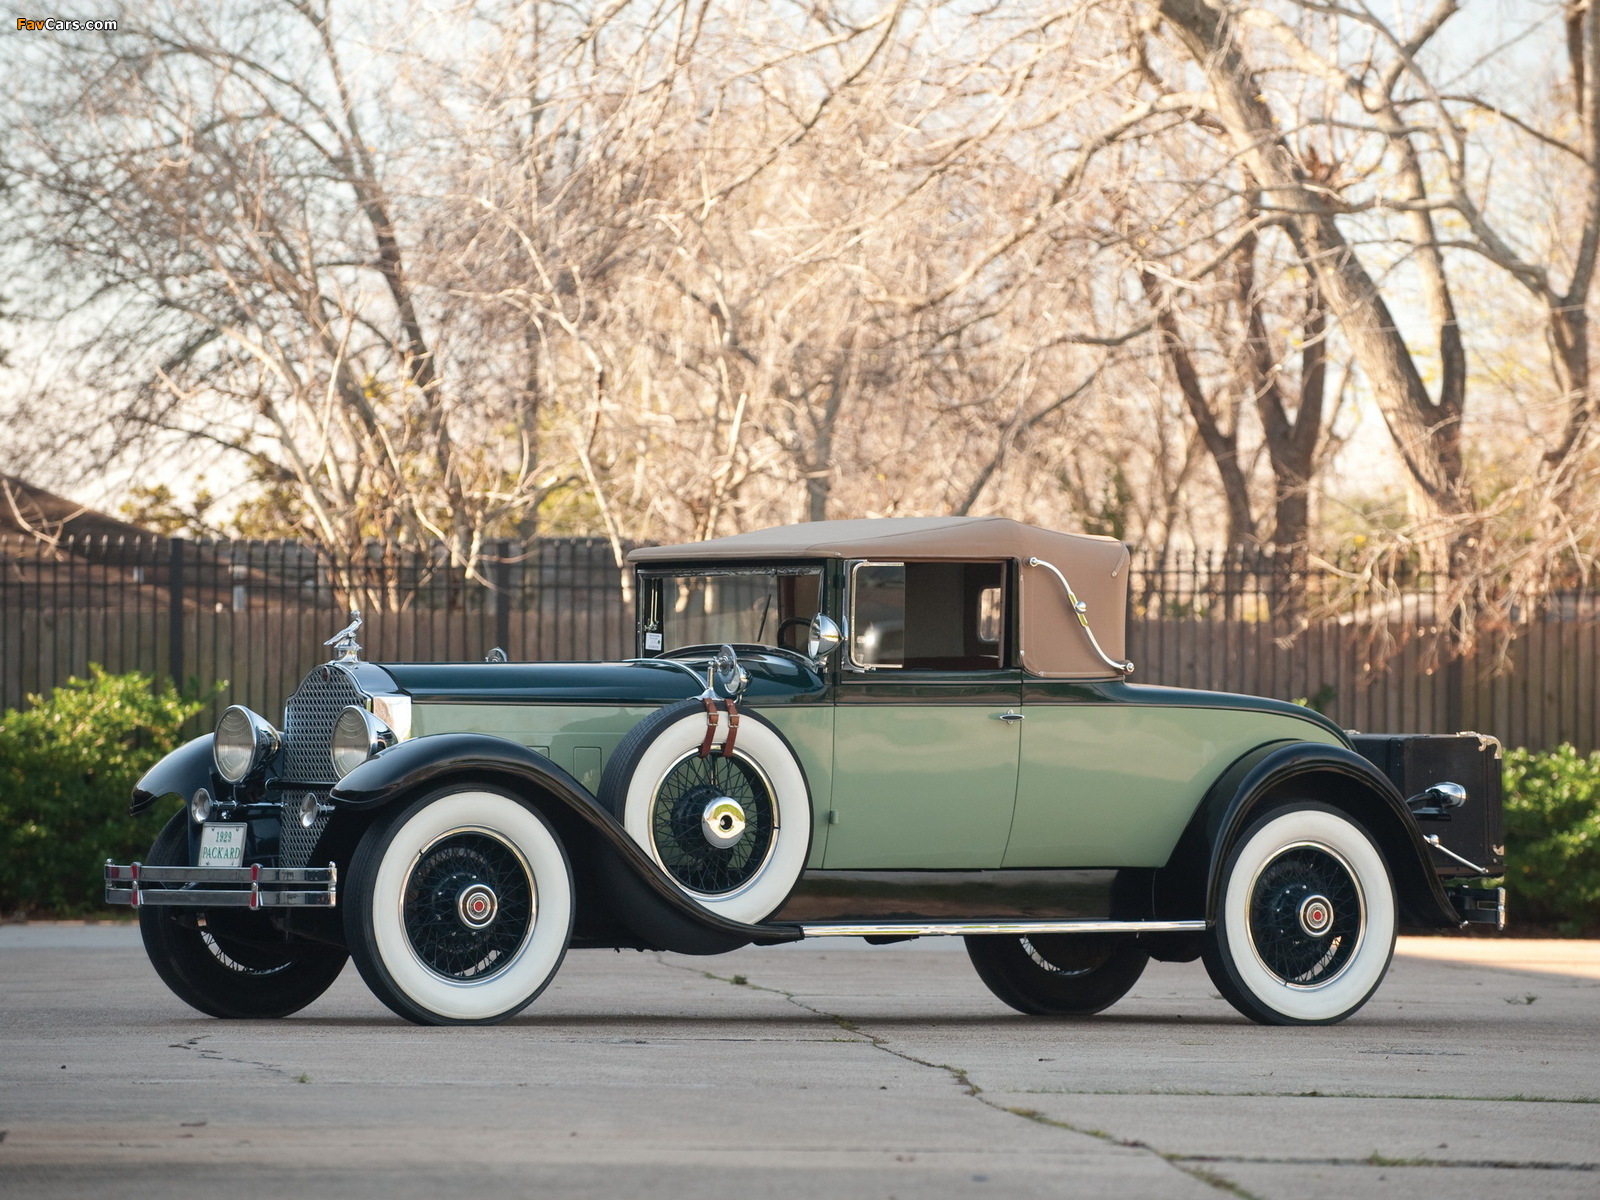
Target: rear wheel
{"x": 229, "y": 962}
{"x": 1058, "y": 975}
{"x": 1307, "y": 923}
{"x": 459, "y": 907}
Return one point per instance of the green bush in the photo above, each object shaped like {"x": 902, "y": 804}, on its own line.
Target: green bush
{"x": 1552, "y": 827}
{"x": 68, "y": 763}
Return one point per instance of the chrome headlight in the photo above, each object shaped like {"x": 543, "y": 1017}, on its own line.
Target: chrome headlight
{"x": 244, "y": 741}
{"x": 357, "y": 736}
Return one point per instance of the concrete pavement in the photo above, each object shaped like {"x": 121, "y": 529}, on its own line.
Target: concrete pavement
{"x": 828, "y": 1069}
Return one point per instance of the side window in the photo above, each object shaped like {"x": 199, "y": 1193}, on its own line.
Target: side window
{"x": 927, "y": 616}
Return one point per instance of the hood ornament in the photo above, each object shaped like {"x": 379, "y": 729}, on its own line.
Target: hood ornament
{"x": 345, "y": 647}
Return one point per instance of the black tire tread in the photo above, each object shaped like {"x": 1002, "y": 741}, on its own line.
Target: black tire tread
{"x": 181, "y": 958}
{"x": 1006, "y": 968}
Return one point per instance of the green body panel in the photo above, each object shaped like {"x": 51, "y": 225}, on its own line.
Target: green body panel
{"x": 911, "y": 770}
{"x": 1113, "y": 782}
{"x": 922, "y": 786}
{"x": 580, "y": 738}
{"x": 809, "y": 729}
{"x": 576, "y": 737}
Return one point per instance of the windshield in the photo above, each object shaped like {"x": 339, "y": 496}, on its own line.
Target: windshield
{"x": 771, "y": 606}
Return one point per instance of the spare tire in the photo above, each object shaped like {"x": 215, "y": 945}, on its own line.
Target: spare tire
{"x": 732, "y": 832}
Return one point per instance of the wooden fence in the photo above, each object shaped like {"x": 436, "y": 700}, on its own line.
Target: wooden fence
{"x": 1544, "y": 690}
{"x": 255, "y": 614}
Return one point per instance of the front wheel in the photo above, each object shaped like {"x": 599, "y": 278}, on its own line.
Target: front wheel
{"x": 1058, "y": 975}
{"x": 1307, "y": 921}
{"x": 459, "y": 907}
{"x": 229, "y": 962}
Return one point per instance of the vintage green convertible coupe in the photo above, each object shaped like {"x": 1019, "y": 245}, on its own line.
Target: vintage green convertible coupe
{"x": 884, "y": 728}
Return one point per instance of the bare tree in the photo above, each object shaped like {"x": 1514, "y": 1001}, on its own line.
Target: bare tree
{"x": 1426, "y": 428}
{"x": 253, "y": 281}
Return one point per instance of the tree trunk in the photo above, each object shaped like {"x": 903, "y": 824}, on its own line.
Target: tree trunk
{"x": 1427, "y": 434}
{"x": 1221, "y": 444}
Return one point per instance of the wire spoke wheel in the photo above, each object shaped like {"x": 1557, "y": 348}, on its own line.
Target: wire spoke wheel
{"x": 460, "y": 906}
{"x": 1068, "y": 954}
{"x": 468, "y": 905}
{"x": 678, "y": 822}
{"x": 1306, "y": 920}
{"x": 731, "y": 831}
{"x": 1306, "y": 915}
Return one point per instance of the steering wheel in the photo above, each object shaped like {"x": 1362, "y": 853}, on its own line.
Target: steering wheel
{"x": 786, "y": 624}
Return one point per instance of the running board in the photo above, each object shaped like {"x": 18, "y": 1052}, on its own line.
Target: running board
{"x": 1003, "y": 928}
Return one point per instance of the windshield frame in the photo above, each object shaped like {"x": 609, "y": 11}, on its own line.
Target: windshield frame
{"x": 656, "y": 608}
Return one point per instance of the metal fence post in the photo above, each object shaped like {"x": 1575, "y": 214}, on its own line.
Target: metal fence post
{"x": 502, "y": 597}
{"x": 175, "y": 613}
{"x": 1455, "y": 717}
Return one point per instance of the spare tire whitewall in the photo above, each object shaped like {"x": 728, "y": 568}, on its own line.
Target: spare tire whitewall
{"x": 1306, "y": 924}
{"x": 459, "y": 907}
{"x": 732, "y": 833}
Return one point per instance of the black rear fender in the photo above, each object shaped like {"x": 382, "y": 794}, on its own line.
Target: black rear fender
{"x": 656, "y": 916}
{"x": 1280, "y": 773}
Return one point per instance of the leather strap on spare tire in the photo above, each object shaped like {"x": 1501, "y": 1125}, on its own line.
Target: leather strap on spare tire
{"x": 724, "y": 811}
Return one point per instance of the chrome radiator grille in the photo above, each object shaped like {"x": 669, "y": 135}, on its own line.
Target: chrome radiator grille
{"x": 308, "y": 724}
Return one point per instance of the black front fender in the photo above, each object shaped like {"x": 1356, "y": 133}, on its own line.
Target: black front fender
{"x": 182, "y": 772}
{"x": 428, "y": 762}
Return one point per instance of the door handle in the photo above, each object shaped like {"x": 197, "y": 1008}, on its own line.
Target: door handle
{"x": 1008, "y": 716}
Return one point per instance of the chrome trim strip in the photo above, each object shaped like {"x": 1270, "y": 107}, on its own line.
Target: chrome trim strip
{"x": 257, "y": 887}
{"x": 1016, "y": 928}
{"x": 267, "y": 876}
{"x": 1081, "y": 611}
{"x": 199, "y": 898}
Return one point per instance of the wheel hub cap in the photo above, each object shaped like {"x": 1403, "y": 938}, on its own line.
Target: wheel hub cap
{"x": 722, "y": 822}
{"x": 1316, "y": 915}
{"x": 477, "y": 906}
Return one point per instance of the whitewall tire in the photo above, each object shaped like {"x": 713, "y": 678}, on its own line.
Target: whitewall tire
{"x": 459, "y": 907}
{"x": 1306, "y": 923}
{"x": 732, "y": 833}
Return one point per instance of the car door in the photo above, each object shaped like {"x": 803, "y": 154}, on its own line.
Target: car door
{"x": 926, "y": 736}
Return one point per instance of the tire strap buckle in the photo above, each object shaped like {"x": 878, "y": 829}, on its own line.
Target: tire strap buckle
{"x": 733, "y": 728}
{"x": 711, "y": 726}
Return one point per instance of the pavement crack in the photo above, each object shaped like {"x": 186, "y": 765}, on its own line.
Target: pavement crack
{"x": 961, "y": 1077}
{"x": 210, "y": 1055}
{"x": 1519, "y": 1098}
{"x": 1382, "y": 1160}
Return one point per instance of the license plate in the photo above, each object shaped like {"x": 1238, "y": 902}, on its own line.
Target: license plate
{"x": 222, "y": 846}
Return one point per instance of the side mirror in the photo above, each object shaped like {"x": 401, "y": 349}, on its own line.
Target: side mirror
{"x": 824, "y": 638}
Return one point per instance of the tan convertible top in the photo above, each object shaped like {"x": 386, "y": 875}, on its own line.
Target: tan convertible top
{"x": 1053, "y": 643}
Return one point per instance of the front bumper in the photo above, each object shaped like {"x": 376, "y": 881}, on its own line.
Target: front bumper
{"x": 222, "y": 887}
